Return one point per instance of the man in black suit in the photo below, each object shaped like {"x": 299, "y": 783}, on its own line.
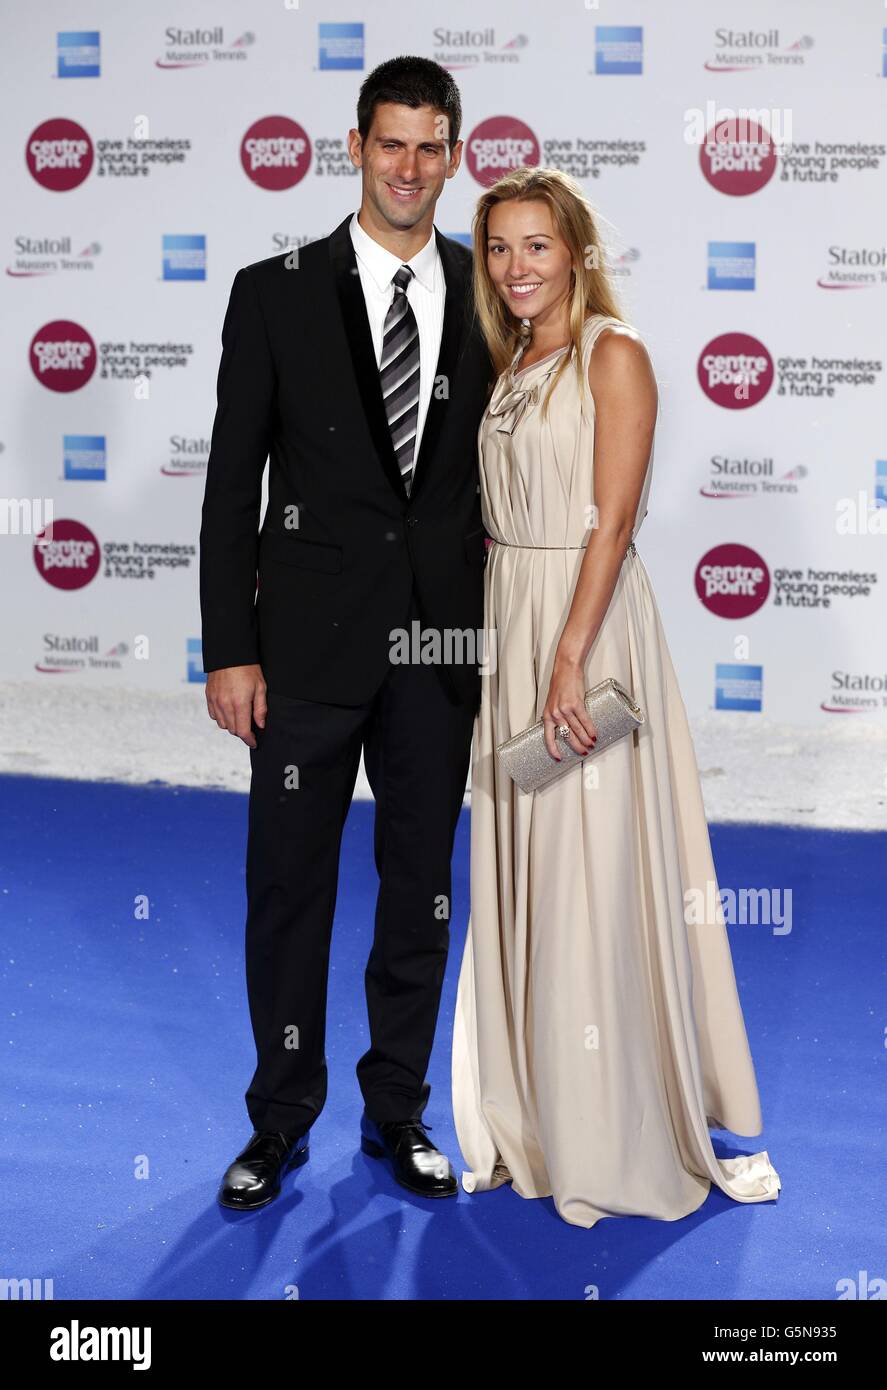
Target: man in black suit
{"x": 362, "y": 374}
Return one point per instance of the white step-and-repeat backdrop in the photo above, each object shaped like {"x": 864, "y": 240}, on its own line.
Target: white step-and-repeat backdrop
{"x": 737, "y": 156}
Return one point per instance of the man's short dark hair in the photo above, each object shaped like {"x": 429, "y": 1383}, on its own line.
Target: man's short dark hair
{"x": 411, "y": 82}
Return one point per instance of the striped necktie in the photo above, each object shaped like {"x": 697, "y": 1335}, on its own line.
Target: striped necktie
{"x": 399, "y": 372}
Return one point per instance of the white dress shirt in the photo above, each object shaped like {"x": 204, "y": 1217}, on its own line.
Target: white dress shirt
{"x": 426, "y": 293}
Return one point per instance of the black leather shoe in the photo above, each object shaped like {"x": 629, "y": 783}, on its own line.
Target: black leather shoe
{"x": 253, "y": 1179}
{"x": 415, "y": 1162}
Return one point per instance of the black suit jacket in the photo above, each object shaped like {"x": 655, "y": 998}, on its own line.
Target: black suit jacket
{"x": 341, "y": 542}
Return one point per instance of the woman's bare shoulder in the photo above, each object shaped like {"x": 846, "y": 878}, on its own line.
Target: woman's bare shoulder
{"x": 620, "y": 361}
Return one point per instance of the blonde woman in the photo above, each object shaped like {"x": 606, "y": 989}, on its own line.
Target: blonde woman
{"x": 598, "y": 1031}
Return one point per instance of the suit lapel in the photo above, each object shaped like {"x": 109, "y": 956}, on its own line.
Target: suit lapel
{"x": 451, "y": 339}
{"x": 363, "y": 358}
{"x": 360, "y": 343}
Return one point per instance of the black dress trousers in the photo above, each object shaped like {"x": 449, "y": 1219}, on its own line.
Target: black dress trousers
{"x": 417, "y": 747}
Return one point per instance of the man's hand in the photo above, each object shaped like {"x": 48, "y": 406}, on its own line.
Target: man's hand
{"x": 235, "y": 696}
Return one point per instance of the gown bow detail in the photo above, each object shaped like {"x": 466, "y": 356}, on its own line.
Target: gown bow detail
{"x": 511, "y": 398}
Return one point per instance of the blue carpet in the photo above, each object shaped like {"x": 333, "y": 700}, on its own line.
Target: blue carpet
{"x": 127, "y": 1049}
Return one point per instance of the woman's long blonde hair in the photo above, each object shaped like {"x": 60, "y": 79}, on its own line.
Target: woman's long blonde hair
{"x": 574, "y": 219}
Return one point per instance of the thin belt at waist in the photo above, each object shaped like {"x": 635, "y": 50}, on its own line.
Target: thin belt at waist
{"x": 631, "y": 550}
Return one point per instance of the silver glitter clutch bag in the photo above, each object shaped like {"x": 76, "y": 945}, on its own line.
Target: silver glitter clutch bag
{"x": 526, "y": 759}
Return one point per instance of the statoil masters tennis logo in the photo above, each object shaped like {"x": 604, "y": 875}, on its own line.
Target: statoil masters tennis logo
{"x": 59, "y": 154}
{"x": 497, "y": 146}
{"x": 275, "y": 153}
{"x": 735, "y": 370}
{"x": 732, "y": 581}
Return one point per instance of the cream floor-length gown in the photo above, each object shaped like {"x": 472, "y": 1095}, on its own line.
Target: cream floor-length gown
{"x": 598, "y": 1032}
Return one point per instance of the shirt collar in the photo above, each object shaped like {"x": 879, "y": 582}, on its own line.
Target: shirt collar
{"x": 382, "y": 263}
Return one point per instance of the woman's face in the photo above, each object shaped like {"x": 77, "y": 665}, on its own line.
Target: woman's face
{"x": 528, "y": 261}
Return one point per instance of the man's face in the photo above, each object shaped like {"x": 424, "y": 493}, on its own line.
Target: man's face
{"x": 406, "y": 158}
